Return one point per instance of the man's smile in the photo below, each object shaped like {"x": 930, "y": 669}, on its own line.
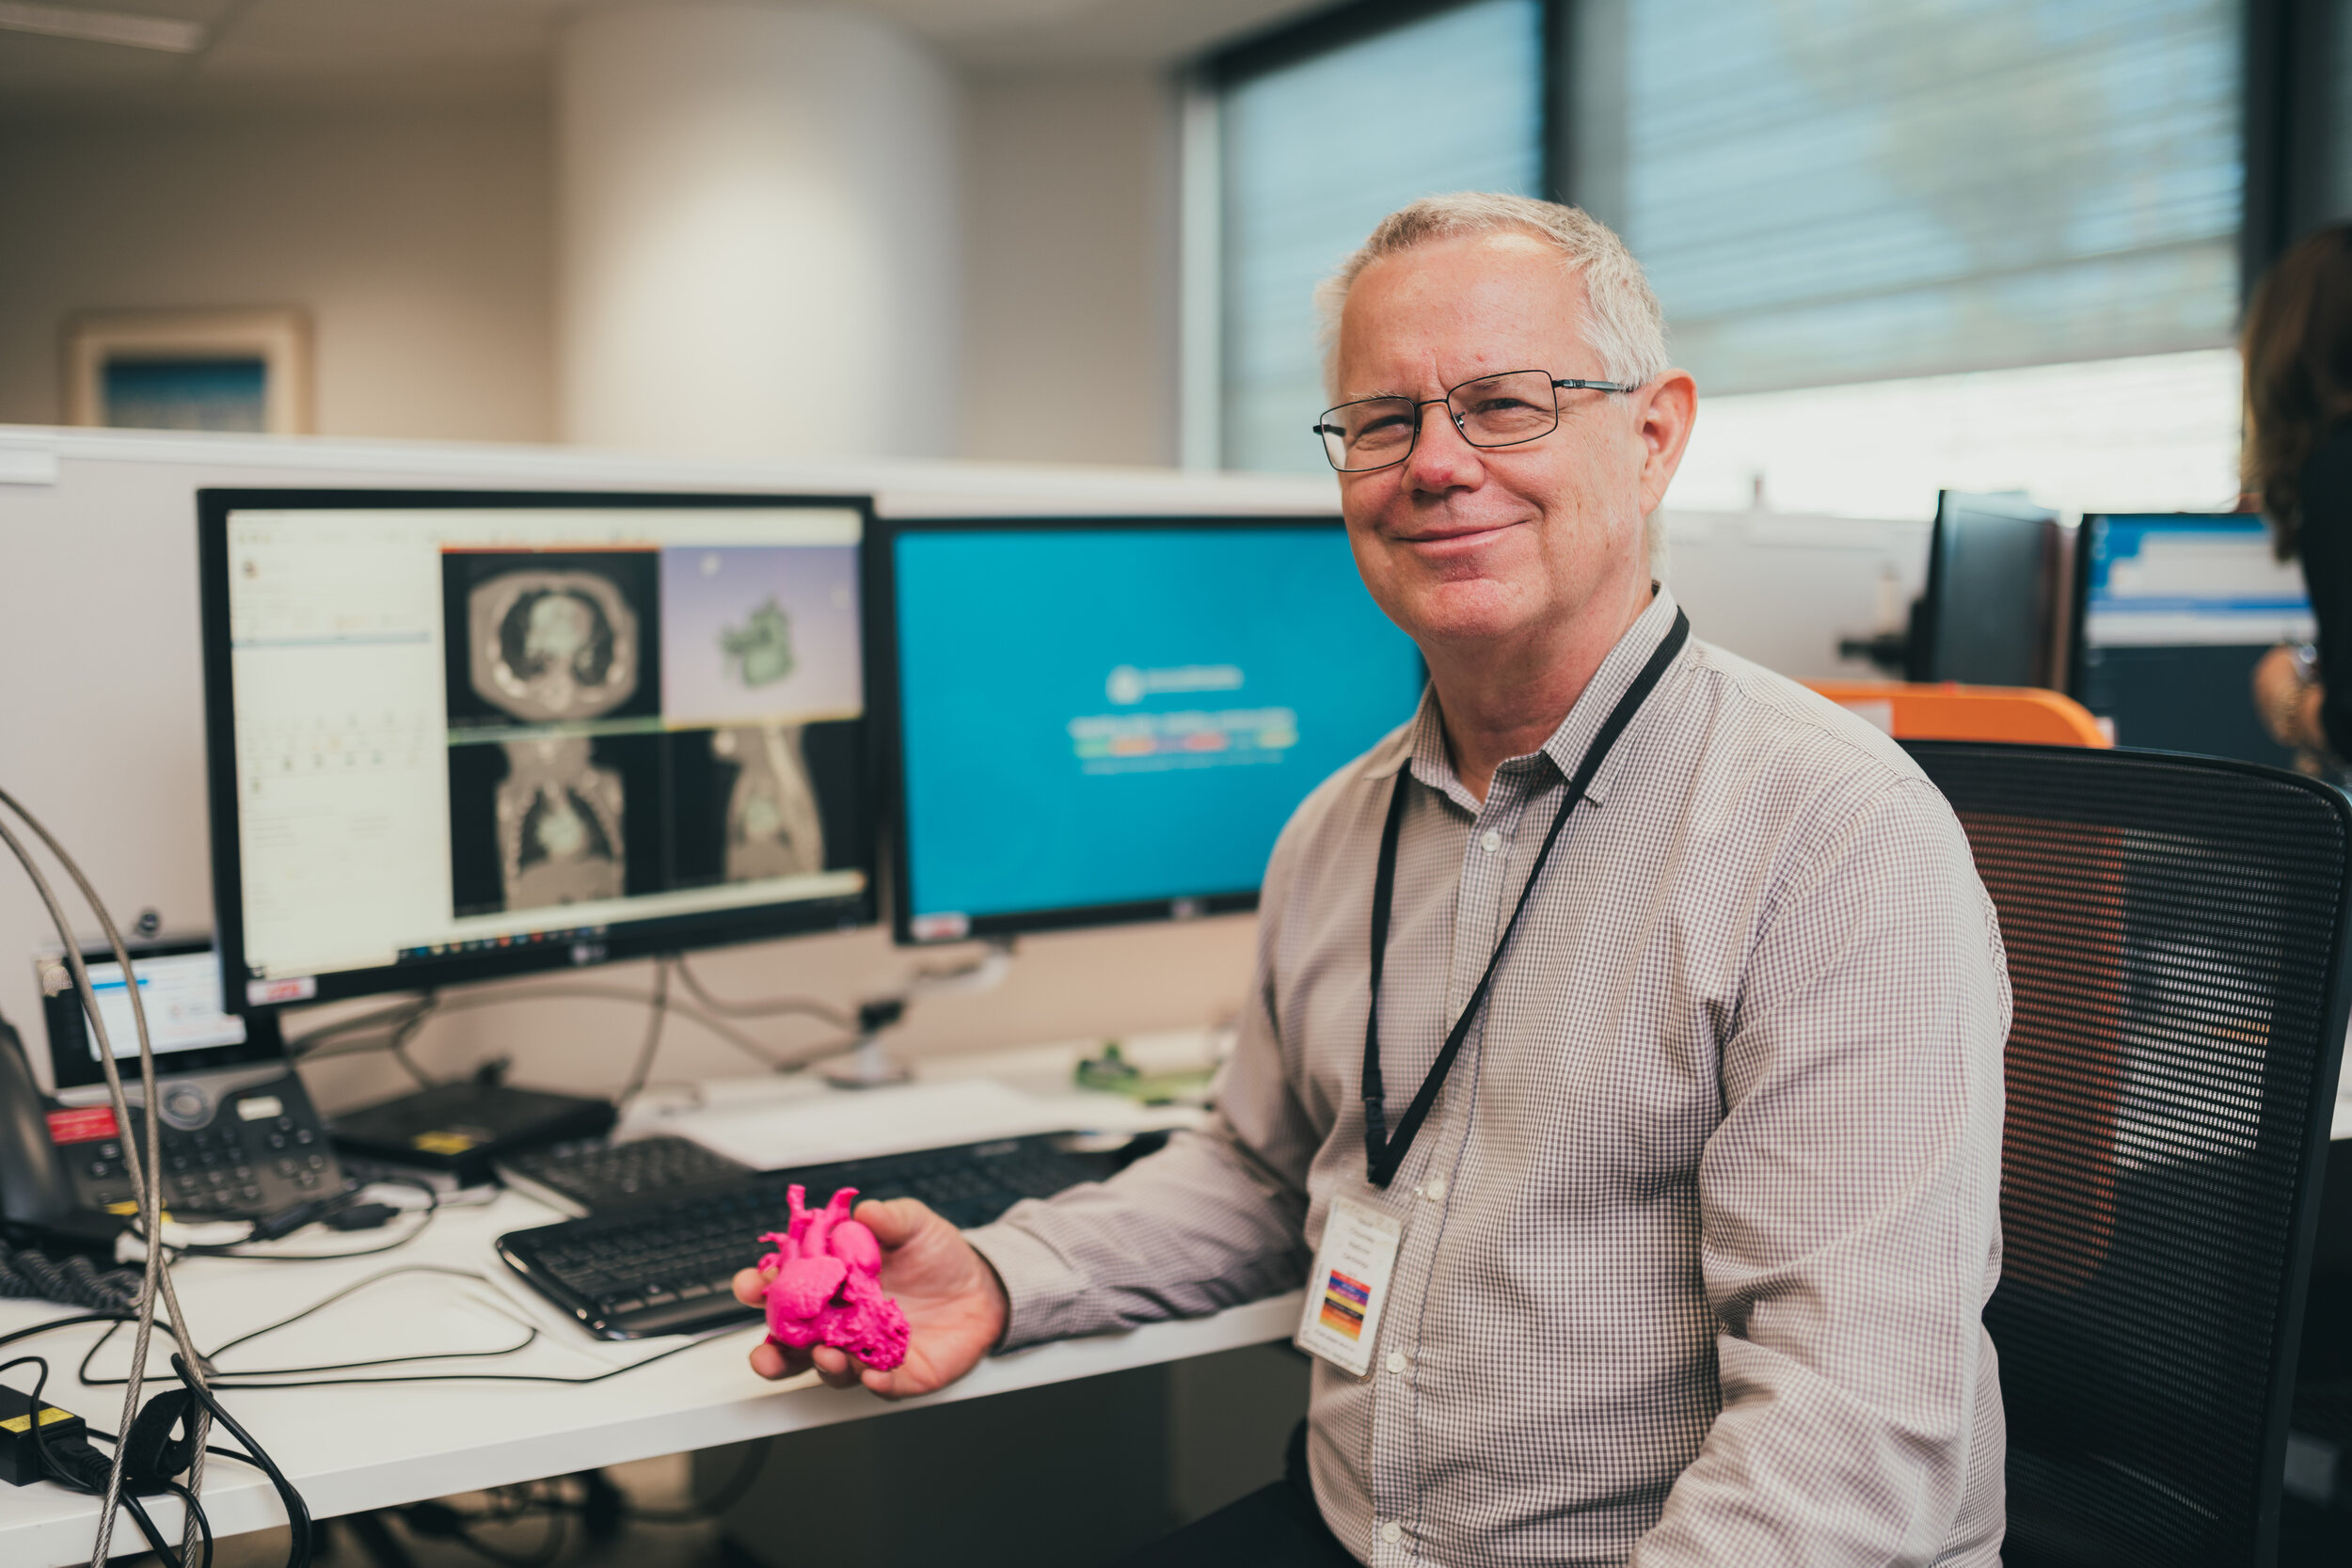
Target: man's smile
{"x": 1442, "y": 541}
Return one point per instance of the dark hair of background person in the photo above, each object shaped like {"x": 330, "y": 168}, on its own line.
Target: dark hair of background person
{"x": 2298, "y": 348}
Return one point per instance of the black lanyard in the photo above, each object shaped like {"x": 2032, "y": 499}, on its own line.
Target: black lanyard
{"x": 1381, "y": 1156}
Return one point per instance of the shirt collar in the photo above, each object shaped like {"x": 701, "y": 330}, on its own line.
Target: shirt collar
{"x": 1422, "y": 743}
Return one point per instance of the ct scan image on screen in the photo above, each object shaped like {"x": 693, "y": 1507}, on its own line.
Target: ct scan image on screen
{"x": 463, "y": 729}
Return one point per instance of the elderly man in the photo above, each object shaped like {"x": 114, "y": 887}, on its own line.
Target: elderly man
{"x": 1625, "y": 1045}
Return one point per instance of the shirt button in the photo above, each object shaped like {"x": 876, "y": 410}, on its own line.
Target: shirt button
{"x": 1435, "y": 1188}
{"x": 1391, "y": 1533}
{"x": 1491, "y": 841}
{"x": 1396, "y": 1360}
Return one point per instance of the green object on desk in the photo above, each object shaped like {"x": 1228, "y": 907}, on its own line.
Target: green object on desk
{"x": 1113, "y": 1073}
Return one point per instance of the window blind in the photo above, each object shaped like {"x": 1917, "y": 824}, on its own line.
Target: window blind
{"x": 1313, "y": 154}
{"x": 1829, "y": 191}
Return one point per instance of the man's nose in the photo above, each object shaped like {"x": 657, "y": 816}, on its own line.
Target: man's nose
{"x": 1442, "y": 455}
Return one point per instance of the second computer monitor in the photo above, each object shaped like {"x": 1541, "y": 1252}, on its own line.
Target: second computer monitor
{"x": 1112, "y": 720}
{"x": 2176, "y": 608}
{"x": 1986, "y": 617}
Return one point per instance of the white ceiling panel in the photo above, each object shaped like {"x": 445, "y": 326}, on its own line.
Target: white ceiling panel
{"x": 339, "y": 51}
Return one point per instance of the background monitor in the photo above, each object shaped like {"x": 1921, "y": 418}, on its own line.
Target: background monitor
{"x": 2175, "y": 609}
{"x": 453, "y": 735}
{"x": 1986, "y": 617}
{"x": 179, "y": 983}
{"x": 1103, "y": 721}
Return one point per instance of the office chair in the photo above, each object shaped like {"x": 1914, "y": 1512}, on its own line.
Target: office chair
{"x": 2175, "y": 929}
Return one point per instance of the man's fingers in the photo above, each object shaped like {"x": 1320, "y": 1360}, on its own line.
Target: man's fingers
{"x": 892, "y": 1221}
{"x": 751, "y": 1287}
{"x": 769, "y": 1361}
{"x": 834, "y": 1367}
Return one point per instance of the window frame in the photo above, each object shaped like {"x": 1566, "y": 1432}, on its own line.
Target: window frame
{"x": 2289, "y": 109}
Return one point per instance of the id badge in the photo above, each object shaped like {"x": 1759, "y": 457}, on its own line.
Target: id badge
{"x": 1349, "y": 1287}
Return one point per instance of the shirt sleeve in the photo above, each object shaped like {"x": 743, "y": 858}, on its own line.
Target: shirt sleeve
{"x": 1849, "y": 1218}
{"x": 1214, "y": 1219}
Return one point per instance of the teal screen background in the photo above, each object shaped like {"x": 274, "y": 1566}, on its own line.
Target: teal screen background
{"x": 1009, "y": 638}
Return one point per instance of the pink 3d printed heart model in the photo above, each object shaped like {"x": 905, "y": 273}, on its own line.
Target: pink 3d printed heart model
{"x": 827, "y": 1290}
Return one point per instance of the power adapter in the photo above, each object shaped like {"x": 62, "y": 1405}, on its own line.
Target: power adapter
{"x": 20, "y": 1450}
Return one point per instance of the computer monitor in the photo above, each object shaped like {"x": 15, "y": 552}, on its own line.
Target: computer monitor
{"x": 1109, "y": 720}
{"x": 2175, "y": 608}
{"x": 1986, "y": 616}
{"x": 179, "y": 982}
{"x": 454, "y": 736}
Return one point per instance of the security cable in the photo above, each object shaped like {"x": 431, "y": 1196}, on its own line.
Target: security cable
{"x": 140, "y": 1165}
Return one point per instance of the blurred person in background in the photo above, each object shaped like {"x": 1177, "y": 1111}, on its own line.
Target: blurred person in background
{"x": 2298, "y": 467}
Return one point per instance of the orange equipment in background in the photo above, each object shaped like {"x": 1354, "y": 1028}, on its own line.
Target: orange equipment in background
{"x": 1949, "y": 711}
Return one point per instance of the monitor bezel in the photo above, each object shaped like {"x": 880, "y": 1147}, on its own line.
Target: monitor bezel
{"x": 881, "y": 599}
{"x": 634, "y": 939}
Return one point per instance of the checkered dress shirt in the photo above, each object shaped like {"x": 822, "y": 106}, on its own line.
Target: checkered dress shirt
{"x": 1697, "y": 1239}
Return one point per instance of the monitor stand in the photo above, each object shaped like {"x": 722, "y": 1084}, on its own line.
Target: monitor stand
{"x": 869, "y": 1064}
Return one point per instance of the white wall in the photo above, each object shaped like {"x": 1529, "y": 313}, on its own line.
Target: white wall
{"x": 419, "y": 240}
{"x": 1070, "y": 181}
{"x": 760, "y": 232}
{"x": 424, "y": 243}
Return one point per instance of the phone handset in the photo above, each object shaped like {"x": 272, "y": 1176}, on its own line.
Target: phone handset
{"x": 34, "y": 1187}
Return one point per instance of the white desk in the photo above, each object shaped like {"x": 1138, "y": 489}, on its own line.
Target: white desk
{"x": 348, "y": 1449}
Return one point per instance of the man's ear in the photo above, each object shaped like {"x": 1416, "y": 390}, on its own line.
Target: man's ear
{"x": 1664, "y": 411}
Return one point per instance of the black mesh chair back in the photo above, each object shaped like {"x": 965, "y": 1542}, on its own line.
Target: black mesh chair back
{"x": 2175, "y": 930}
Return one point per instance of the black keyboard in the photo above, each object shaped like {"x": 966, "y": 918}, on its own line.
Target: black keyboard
{"x": 664, "y": 1266}
{"x": 592, "y": 1175}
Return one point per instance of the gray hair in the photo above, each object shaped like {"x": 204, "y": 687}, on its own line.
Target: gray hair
{"x": 1622, "y": 321}
{"x": 1623, "y": 324}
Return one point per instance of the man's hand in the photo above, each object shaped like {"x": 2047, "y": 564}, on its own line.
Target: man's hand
{"x": 955, "y": 1306}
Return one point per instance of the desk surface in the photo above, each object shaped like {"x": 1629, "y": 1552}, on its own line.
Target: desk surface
{"x": 350, "y": 1449}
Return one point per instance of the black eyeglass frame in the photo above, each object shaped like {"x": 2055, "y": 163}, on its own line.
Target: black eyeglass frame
{"x": 1323, "y": 430}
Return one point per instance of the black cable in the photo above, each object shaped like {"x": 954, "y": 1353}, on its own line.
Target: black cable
{"x": 304, "y": 1043}
{"x": 424, "y": 1219}
{"x": 807, "y": 1007}
{"x": 298, "y": 1515}
{"x": 457, "y": 1377}
{"x": 660, "y": 1002}
{"x": 304, "y": 1381}
{"x": 163, "y": 1553}
{"x": 324, "y": 1302}
{"x": 196, "y": 1511}
{"x": 117, "y": 1318}
{"x": 398, "y": 1044}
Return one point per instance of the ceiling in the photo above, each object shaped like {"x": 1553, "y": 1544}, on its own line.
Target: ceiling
{"x": 294, "y": 51}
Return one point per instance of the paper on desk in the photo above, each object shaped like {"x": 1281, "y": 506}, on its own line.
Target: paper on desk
{"x": 819, "y": 1128}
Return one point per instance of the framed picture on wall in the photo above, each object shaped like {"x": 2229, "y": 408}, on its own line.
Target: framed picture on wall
{"x": 190, "y": 369}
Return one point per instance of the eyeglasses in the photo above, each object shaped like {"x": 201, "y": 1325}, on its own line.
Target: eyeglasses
{"x": 1491, "y": 411}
